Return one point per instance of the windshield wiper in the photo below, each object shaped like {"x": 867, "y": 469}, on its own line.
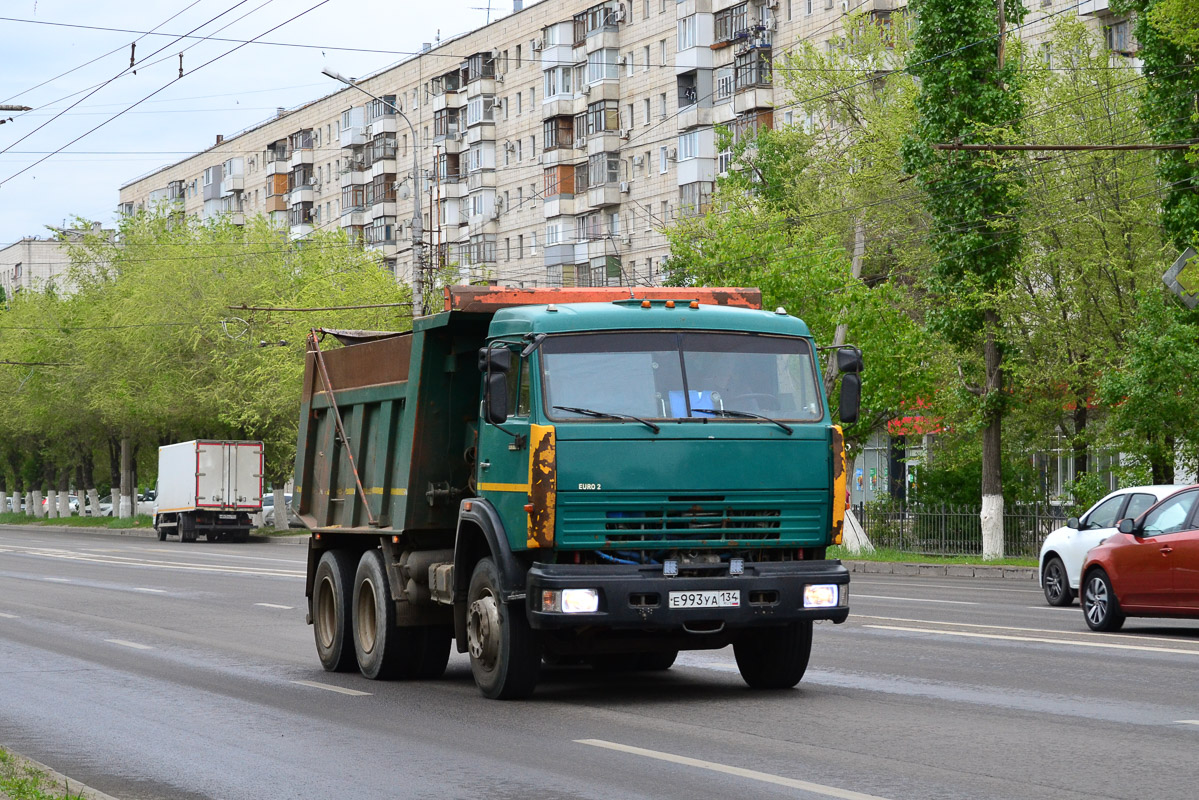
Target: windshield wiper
{"x": 724, "y": 412}
{"x": 590, "y": 412}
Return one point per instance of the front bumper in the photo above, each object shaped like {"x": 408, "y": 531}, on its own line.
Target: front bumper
{"x": 635, "y": 597}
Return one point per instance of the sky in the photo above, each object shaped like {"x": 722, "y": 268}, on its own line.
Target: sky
{"x": 50, "y": 63}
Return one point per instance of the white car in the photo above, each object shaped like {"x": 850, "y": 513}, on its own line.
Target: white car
{"x": 1066, "y": 548}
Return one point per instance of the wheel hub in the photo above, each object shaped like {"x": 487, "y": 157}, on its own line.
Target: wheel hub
{"x": 482, "y": 630}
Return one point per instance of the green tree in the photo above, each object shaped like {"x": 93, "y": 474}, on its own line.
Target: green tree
{"x": 970, "y": 93}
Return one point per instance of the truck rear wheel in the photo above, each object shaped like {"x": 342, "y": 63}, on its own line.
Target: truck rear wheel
{"x": 331, "y": 598}
{"x": 505, "y": 656}
{"x": 385, "y": 652}
{"x": 774, "y": 658}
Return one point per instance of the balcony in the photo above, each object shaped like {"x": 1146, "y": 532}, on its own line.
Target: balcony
{"x": 606, "y": 142}
{"x": 384, "y": 166}
{"x": 451, "y": 191}
{"x": 299, "y": 157}
{"x": 382, "y": 125}
{"x": 694, "y": 170}
{"x": 276, "y": 202}
{"x": 300, "y": 231}
{"x": 559, "y": 205}
{"x": 480, "y": 132}
{"x": 302, "y": 194}
{"x": 353, "y": 137}
{"x": 694, "y": 116}
{"x": 280, "y": 166}
{"x": 480, "y": 179}
{"x": 607, "y": 194}
{"x": 231, "y": 184}
{"x": 753, "y": 98}
{"x": 383, "y": 208}
{"x": 353, "y": 219}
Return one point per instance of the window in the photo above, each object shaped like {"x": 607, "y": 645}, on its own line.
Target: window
{"x": 380, "y": 108}
{"x": 662, "y": 52}
{"x": 724, "y": 84}
{"x": 557, "y": 132}
{"x": 731, "y": 22}
{"x": 663, "y": 160}
{"x": 1138, "y": 504}
{"x": 686, "y": 32}
{"x": 1116, "y": 37}
{"x": 445, "y": 122}
{"x": 695, "y": 198}
{"x": 645, "y": 65}
{"x": 482, "y": 65}
{"x": 603, "y": 116}
{"x": 628, "y": 64}
{"x": 480, "y": 109}
{"x": 519, "y": 102}
{"x": 647, "y": 111}
{"x": 517, "y": 59}
{"x": 602, "y": 64}
{"x": 603, "y": 168}
{"x": 808, "y": 8}
{"x": 1171, "y": 516}
{"x": 752, "y": 69}
{"x": 557, "y": 81}
{"x": 482, "y": 248}
{"x": 353, "y": 198}
{"x": 662, "y": 105}
{"x": 688, "y": 145}
{"x": 559, "y": 180}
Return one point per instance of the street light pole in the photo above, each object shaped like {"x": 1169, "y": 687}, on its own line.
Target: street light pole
{"x": 418, "y": 232}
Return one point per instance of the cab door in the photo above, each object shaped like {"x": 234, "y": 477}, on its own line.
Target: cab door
{"x": 502, "y": 471}
{"x": 1184, "y": 565}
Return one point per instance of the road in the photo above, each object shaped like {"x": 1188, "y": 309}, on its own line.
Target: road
{"x": 164, "y": 670}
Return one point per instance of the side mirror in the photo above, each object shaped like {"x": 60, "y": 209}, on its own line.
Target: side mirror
{"x": 495, "y": 398}
{"x": 851, "y": 397}
{"x": 1126, "y": 525}
{"x": 495, "y": 359}
{"x": 849, "y": 359}
{"x": 1073, "y": 523}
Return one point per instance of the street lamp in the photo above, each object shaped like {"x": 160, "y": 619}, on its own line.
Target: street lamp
{"x": 418, "y": 233}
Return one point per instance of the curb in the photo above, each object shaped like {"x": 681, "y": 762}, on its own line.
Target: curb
{"x": 148, "y": 533}
{"x": 72, "y": 787}
{"x": 941, "y": 570}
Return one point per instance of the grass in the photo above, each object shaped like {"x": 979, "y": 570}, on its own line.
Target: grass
{"x": 881, "y": 554}
{"x": 140, "y": 521}
{"x": 21, "y": 780}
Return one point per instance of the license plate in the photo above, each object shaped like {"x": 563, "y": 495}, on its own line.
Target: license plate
{"x": 228, "y": 516}
{"x": 722, "y": 599}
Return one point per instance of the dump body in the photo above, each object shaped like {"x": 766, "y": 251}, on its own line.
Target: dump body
{"x": 660, "y": 473}
{"x": 208, "y": 486}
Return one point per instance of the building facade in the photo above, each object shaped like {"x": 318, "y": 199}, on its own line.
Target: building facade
{"x": 552, "y": 146}
{"x": 38, "y": 265}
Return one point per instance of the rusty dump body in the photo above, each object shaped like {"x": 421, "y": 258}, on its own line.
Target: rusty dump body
{"x": 409, "y": 409}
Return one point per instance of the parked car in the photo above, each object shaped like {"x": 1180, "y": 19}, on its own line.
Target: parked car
{"x": 72, "y": 503}
{"x": 268, "y": 511}
{"x": 1066, "y": 548}
{"x": 1148, "y": 568}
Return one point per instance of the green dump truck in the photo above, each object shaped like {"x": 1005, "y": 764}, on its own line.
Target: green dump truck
{"x": 573, "y": 475}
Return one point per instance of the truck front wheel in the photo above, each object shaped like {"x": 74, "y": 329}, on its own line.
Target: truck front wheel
{"x": 384, "y": 651}
{"x": 331, "y": 597}
{"x": 774, "y": 658}
{"x": 504, "y": 654}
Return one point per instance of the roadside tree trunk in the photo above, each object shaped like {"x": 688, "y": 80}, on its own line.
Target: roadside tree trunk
{"x": 281, "y": 518}
{"x": 64, "y": 492}
{"x": 128, "y": 494}
{"x": 51, "y": 482}
{"x": 992, "y": 455}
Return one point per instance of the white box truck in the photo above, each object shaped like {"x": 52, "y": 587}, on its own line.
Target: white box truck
{"x": 208, "y": 487}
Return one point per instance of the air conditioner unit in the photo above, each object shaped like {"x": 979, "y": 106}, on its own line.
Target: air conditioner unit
{"x": 499, "y": 203}
{"x": 623, "y": 60}
{"x": 587, "y": 89}
{"x": 626, "y": 133}
{"x": 618, "y": 14}
{"x": 499, "y": 78}
{"x": 638, "y": 160}
{"x": 580, "y": 144}
{"x": 672, "y": 154}
{"x": 624, "y": 187}
{"x": 844, "y": 6}
{"x": 537, "y": 44}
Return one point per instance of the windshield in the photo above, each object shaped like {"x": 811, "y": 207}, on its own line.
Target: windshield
{"x": 655, "y": 375}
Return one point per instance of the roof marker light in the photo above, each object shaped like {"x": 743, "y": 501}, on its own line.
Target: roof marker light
{"x": 670, "y": 304}
{"x": 551, "y": 307}
{"x": 645, "y": 304}
{"x": 695, "y": 304}
{"x": 781, "y": 311}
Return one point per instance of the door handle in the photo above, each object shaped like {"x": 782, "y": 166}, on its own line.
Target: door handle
{"x": 485, "y": 464}
{"x": 1167, "y": 551}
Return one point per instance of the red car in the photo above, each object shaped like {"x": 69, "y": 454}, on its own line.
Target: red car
{"x": 1149, "y": 568}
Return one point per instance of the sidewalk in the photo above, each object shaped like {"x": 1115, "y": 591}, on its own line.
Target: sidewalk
{"x": 943, "y": 570}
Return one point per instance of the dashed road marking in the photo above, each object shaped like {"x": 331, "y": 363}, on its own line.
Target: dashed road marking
{"x": 1037, "y": 640}
{"x": 275, "y": 605}
{"x": 763, "y": 777}
{"x": 913, "y": 599}
{"x": 59, "y": 580}
{"x": 1089, "y": 634}
{"x": 331, "y": 688}
{"x": 144, "y": 589}
{"x": 8, "y": 616}
{"x": 1187, "y": 721}
{"x": 134, "y": 645}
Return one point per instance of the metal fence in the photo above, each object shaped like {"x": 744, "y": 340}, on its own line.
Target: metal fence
{"x": 942, "y": 530}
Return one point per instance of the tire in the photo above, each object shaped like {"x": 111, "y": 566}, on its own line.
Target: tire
{"x": 1100, "y": 608}
{"x": 774, "y": 658}
{"x": 1056, "y": 584}
{"x": 505, "y": 656}
{"x": 383, "y": 651}
{"x": 331, "y": 602}
{"x": 161, "y": 531}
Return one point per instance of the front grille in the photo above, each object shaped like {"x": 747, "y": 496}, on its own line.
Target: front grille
{"x": 633, "y": 518}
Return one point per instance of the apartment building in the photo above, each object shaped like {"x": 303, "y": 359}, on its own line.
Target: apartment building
{"x": 551, "y": 147}
{"x": 37, "y": 264}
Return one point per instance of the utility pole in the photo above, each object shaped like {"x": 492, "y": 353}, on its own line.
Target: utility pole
{"x": 418, "y": 231}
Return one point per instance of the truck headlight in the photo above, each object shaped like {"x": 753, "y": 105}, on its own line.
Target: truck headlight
{"x": 821, "y": 595}
{"x": 570, "y": 601}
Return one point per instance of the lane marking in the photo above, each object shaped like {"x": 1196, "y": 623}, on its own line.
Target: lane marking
{"x": 914, "y": 599}
{"x": 134, "y": 645}
{"x": 1036, "y": 639}
{"x": 1089, "y": 634}
{"x": 8, "y": 616}
{"x": 275, "y": 605}
{"x": 144, "y": 589}
{"x": 740, "y": 772}
{"x": 134, "y": 562}
{"x": 1187, "y": 721}
{"x": 331, "y": 688}
{"x": 59, "y": 580}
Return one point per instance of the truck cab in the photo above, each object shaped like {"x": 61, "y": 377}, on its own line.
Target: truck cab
{"x": 643, "y": 474}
